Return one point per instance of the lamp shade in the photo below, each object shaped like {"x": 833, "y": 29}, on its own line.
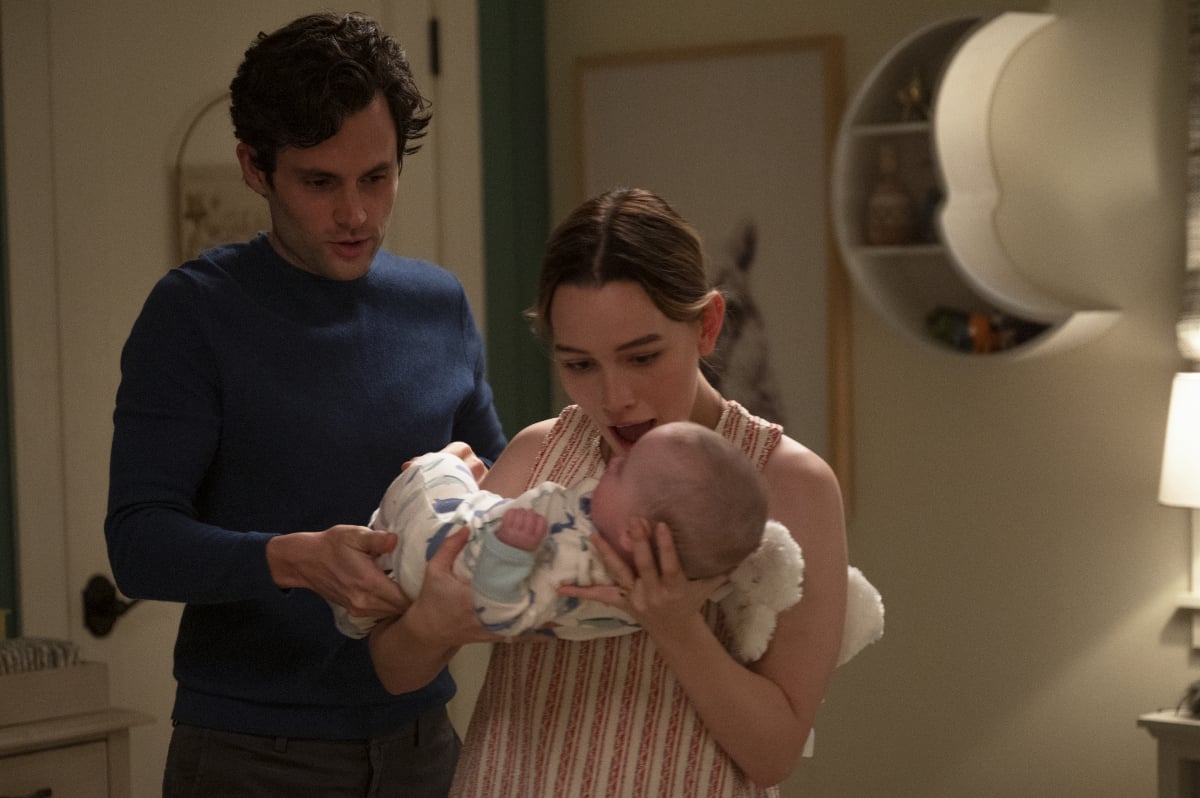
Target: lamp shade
{"x": 1180, "y": 482}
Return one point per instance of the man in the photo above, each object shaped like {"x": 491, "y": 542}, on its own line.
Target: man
{"x": 270, "y": 392}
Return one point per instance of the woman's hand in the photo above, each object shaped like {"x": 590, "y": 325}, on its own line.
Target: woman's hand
{"x": 443, "y": 614}
{"x": 655, "y": 591}
{"x": 408, "y": 651}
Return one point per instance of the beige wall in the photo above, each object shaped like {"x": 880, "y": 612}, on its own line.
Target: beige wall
{"x": 1006, "y": 509}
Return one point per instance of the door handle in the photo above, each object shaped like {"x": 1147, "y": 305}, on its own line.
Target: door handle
{"x": 102, "y": 606}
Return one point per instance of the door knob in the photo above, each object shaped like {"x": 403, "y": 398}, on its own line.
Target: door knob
{"x": 102, "y": 606}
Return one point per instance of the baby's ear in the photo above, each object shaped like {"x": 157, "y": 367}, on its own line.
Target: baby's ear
{"x": 623, "y": 538}
{"x": 622, "y": 541}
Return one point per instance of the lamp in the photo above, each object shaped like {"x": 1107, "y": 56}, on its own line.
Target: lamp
{"x": 1179, "y": 484}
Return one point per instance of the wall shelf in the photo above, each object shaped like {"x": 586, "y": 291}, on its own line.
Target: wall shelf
{"x": 950, "y": 284}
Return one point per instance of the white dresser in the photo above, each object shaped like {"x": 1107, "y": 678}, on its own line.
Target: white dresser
{"x": 60, "y": 737}
{"x": 1178, "y": 739}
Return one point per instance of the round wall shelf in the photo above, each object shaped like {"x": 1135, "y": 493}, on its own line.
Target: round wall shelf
{"x": 915, "y": 196}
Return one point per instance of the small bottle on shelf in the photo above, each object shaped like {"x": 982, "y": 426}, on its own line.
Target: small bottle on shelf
{"x": 891, "y": 212}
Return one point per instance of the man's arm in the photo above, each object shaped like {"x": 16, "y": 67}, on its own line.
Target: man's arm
{"x": 476, "y": 421}
{"x": 166, "y": 429}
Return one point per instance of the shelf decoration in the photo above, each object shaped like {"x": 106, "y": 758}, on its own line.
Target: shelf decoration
{"x": 891, "y": 212}
{"x": 913, "y": 99}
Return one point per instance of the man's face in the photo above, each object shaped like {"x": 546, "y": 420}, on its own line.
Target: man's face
{"x": 331, "y": 203}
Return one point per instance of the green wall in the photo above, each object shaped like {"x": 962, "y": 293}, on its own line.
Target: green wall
{"x": 516, "y": 201}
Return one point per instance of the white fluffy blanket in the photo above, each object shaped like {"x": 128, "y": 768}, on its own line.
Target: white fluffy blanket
{"x": 771, "y": 580}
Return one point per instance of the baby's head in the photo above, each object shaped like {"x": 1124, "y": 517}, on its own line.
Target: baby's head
{"x": 699, "y": 484}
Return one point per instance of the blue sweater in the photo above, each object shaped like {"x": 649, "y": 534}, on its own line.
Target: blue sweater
{"x": 257, "y": 399}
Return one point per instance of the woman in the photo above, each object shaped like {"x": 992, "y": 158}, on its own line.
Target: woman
{"x": 627, "y": 309}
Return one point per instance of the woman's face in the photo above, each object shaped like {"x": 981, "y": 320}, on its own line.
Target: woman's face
{"x": 629, "y": 367}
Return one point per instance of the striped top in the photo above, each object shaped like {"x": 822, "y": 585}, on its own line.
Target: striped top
{"x": 601, "y": 717}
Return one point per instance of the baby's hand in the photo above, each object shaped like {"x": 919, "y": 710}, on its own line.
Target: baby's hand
{"x": 522, "y": 528}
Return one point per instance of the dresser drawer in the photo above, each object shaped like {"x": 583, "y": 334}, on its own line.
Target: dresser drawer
{"x": 73, "y": 771}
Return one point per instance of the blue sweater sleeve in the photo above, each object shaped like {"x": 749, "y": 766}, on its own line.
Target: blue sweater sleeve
{"x": 476, "y": 421}
{"x": 166, "y": 429}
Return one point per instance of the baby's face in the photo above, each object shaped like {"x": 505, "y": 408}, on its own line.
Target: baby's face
{"x": 616, "y": 499}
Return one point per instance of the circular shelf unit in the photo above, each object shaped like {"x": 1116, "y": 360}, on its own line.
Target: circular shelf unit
{"x": 952, "y": 286}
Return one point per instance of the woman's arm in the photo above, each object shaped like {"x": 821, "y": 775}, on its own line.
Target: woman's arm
{"x": 760, "y": 715}
{"x": 409, "y": 651}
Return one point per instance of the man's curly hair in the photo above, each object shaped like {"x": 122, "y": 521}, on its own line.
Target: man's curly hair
{"x": 296, "y": 86}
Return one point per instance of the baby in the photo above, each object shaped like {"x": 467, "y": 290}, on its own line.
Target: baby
{"x": 521, "y": 550}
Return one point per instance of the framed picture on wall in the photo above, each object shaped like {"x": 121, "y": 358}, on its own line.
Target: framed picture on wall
{"x": 739, "y": 140}
{"x": 215, "y": 206}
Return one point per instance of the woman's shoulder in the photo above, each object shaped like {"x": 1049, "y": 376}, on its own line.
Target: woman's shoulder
{"x": 791, "y": 460}
{"x": 802, "y": 490}
{"x": 532, "y": 436}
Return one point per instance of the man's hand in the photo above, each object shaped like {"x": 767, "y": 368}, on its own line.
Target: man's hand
{"x": 339, "y": 565}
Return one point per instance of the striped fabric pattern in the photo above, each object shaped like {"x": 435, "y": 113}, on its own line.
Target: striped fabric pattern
{"x": 602, "y": 717}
